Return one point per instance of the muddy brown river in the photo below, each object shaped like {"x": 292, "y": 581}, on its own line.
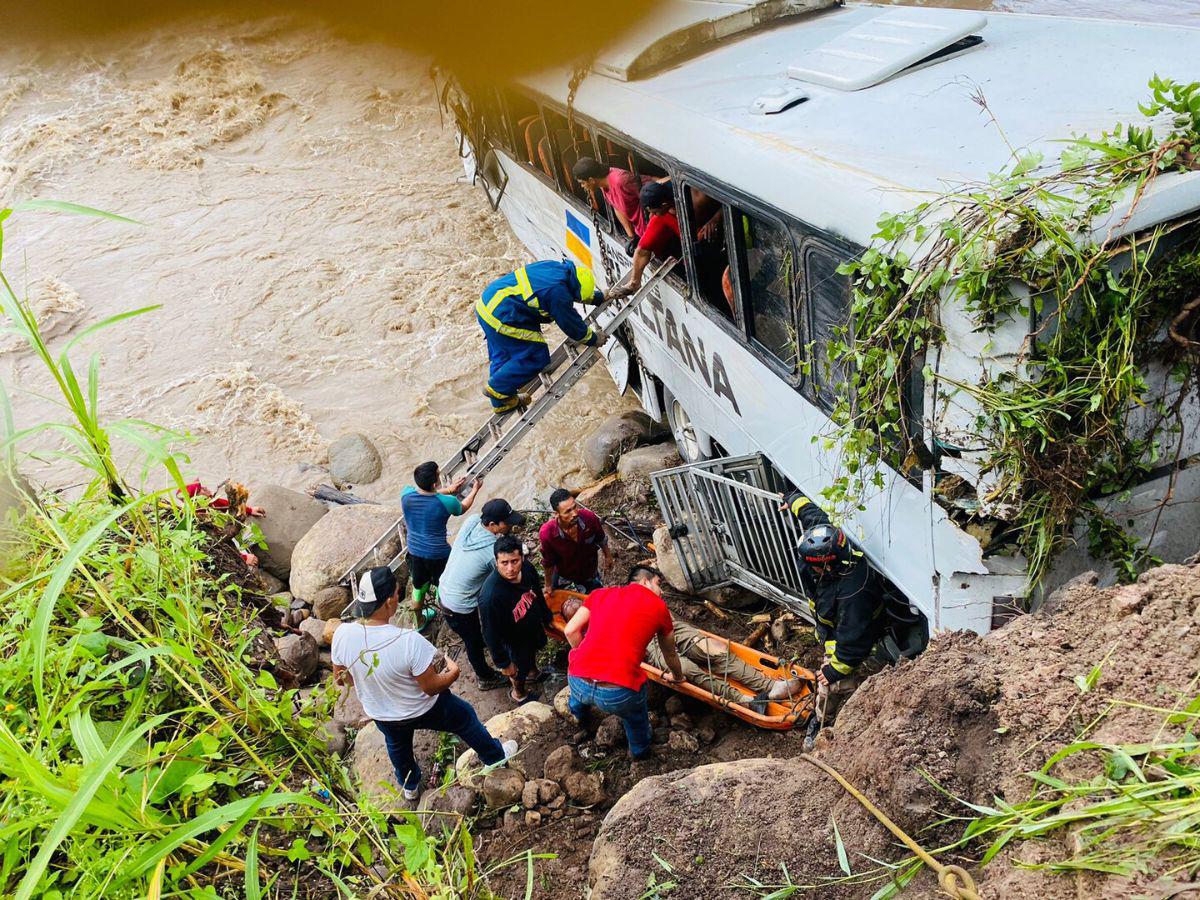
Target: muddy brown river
{"x": 305, "y": 231}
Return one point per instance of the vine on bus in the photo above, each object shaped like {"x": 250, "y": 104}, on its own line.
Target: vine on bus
{"x": 1067, "y": 422}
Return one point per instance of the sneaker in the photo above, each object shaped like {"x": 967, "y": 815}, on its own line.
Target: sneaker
{"x": 412, "y": 793}
{"x": 510, "y": 749}
{"x": 491, "y": 684}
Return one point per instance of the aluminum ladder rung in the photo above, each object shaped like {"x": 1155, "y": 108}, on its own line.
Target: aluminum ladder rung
{"x": 484, "y": 450}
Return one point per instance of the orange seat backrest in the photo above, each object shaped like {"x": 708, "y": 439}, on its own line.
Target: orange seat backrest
{"x": 546, "y": 157}
{"x": 535, "y": 132}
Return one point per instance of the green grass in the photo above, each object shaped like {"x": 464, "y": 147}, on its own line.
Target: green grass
{"x": 145, "y": 747}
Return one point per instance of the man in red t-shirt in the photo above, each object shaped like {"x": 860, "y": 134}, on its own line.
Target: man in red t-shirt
{"x": 604, "y": 669}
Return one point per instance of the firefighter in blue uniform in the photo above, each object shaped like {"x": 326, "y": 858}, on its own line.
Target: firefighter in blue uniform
{"x": 511, "y": 312}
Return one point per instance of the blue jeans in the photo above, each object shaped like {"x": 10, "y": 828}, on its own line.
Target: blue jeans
{"x": 628, "y": 704}
{"x": 450, "y": 714}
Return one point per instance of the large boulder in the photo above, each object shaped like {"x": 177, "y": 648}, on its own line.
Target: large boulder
{"x": 666, "y": 558}
{"x": 642, "y": 462}
{"x": 353, "y": 459}
{"x": 725, "y": 814}
{"x": 299, "y": 652}
{"x": 347, "y": 710}
{"x": 289, "y": 517}
{"x": 315, "y": 629}
{"x": 336, "y": 542}
{"x": 520, "y": 725}
{"x": 616, "y": 435}
{"x": 370, "y": 763}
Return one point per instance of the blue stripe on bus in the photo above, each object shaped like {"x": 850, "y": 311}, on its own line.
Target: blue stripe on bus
{"x": 580, "y": 228}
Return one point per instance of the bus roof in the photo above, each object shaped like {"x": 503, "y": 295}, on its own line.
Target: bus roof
{"x": 841, "y": 157}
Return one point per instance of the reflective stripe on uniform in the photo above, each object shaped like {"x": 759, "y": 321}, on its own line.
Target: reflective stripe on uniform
{"x": 830, "y": 648}
{"x": 486, "y": 310}
{"x": 527, "y": 293}
{"x": 798, "y": 504}
{"x": 492, "y": 392}
{"x": 840, "y": 666}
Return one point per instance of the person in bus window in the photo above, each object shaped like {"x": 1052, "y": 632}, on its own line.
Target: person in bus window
{"x": 661, "y": 238}
{"x": 621, "y": 188}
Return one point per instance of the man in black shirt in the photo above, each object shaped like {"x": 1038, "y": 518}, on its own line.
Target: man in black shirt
{"x": 513, "y": 613}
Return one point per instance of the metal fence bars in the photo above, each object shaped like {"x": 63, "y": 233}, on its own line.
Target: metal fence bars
{"x": 728, "y": 528}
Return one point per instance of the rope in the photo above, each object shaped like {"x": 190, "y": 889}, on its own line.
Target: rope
{"x": 954, "y": 880}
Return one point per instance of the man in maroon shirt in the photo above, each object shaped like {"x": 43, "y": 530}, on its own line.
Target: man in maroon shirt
{"x": 572, "y": 541}
{"x": 604, "y": 669}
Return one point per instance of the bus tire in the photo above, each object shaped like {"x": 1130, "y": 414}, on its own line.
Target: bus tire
{"x": 694, "y": 445}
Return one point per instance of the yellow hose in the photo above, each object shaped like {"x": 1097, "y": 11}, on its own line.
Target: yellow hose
{"x": 954, "y": 880}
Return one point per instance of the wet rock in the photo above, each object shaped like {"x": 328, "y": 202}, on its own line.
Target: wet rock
{"x": 562, "y": 703}
{"x": 299, "y": 652}
{"x": 529, "y": 795}
{"x": 674, "y": 705}
{"x": 314, "y": 628}
{"x": 503, "y": 787}
{"x": 353, "y": 459}
{"x": 611, "y": 732}
{"x": 681, "y": 721}
{"x": 336, "y": 542}
{"x": 327, "y": 632}
{"x": 683, "y": 742}
{"x": 442, "y": 806}
{"x": 329, "y": 603}
{"x": 585, "y": 788}
{"x": 336, "y": 741}
{"x": 643, "y": 461}
{"x": 733, "y": 597}
{"x": 560, "y": 763}
{"x": 666, "y": 559}
{"x": 548, "y": 790}
{"x": 617, "y": 435}
{"x": 265, "y": 583}
{"x": 289, "y": 517}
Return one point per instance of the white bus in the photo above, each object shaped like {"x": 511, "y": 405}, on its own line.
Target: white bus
{"x": 776, "y": 112}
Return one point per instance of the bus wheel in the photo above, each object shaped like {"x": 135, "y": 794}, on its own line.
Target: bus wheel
{"x": 693, "y": 444}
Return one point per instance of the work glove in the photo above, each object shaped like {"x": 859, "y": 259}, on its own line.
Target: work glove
{"x": 601, "y": 337}
{"x": 617, "y": 293}
{"x": 631, "y": 245}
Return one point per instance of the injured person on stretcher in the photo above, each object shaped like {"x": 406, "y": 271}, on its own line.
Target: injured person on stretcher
{"x": 708, "y": 663}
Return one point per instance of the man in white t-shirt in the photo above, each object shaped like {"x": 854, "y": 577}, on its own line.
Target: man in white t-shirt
{"x": 393, "y": 670}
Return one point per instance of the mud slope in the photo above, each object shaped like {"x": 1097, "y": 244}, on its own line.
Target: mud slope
{"x": 972, "y": 714}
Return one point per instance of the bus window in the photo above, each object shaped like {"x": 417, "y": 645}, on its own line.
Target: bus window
{"x": 530, "y": 143}
{"x": 569, "y": 145}
{"x": 485, "y": 102}
{"x": 829, "y": 312}
{"x": 710, "y": 256}
{"x": 768, "y": 279}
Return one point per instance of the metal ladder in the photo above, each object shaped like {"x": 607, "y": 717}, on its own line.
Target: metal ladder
{"x": 484, "y": 450}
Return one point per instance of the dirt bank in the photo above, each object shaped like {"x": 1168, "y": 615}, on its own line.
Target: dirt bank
{"x": 966, "y": 720}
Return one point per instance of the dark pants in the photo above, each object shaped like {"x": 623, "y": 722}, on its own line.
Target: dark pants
{"x": 467, "y": 627}
{"x": 423, "y": 571}
{"x": 513, "y": 363}
{"x": 449, "y": 714}
{"x": 629, "y": 705}
{"x": 579, "y": 585}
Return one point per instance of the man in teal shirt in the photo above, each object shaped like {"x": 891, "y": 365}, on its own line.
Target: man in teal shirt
{"x": 427, "y": 508}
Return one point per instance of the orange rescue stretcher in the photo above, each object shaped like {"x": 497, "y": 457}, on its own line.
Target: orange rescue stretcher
{"x": 778, "y": 716}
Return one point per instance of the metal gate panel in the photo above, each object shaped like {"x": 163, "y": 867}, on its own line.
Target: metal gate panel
{"x": 727, "y": 525}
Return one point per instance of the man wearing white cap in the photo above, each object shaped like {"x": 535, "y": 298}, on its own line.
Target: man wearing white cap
{"x": 394, "y": 670}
